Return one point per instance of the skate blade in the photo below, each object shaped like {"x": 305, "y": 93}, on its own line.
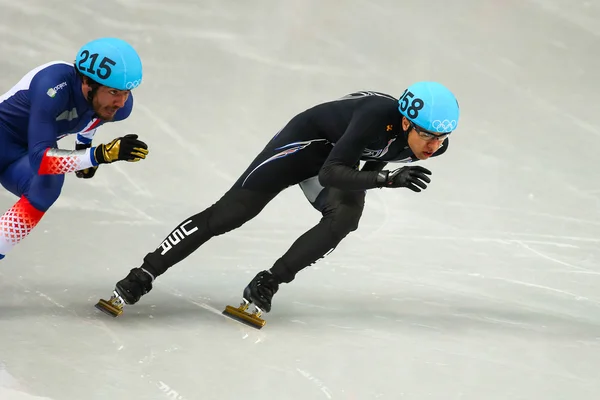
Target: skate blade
{"x": 112, "y": 307}
{"x": 240, "y": 314}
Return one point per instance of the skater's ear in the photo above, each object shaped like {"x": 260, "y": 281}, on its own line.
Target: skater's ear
{"x": 89, "y": 87}
{"x": 405, "y": 124}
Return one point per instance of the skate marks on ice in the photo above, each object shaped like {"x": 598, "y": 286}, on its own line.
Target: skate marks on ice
{"x": 145, "y": 362}
{"x": 179, "y": 294}
{"x": 12, "y": 389}
{"x": 102, "y": 213}
{"x": 450, "y": 330}
{"x": 508, "y": 239}
{"x": 442, "y": 300}
{"x": 169, "y": 392}
{"x": 49, "y": 299}
{"x": 523, "y": 213}
{"x": 227, "y": 316}
{"x": 317, "y": 382}
{"x": 12, "y": 394}
{"x": 546, "y": 288}
{"x": 583, "y": 14}
{"x": 23, "y": 291}
{"x": 573, "y": 268}
{"x": 48, "y": 308}
{"x": 435, "y": 317}
{"x": 426, "y": 303}
{"x": 200, "y": 156}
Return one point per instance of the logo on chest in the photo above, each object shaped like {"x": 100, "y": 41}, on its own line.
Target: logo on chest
{"x": 52, "y": 91}
{"x": 378, "y": 153}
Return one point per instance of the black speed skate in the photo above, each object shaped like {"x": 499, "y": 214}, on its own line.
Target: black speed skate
{"x": 127, "y": 291}
{"x": 259, "y": 292}
{"x": 261, "y": 289}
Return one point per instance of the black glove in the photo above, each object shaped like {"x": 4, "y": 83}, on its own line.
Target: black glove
{"x": 88, "y": 172}
{"x": 415, "y": 178}
{"x": 126, "y": 148}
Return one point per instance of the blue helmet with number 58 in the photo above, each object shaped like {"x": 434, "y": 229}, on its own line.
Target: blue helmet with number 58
{"x": 431, "y": 106}
{"x": 110, "y": 62}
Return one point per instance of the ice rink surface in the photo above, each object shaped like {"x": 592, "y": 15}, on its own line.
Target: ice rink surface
{"x": 485, "y": 286}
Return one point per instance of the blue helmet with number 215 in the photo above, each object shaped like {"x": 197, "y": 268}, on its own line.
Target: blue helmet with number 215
{"x": 431, "y": 106}
{"x": 110, "y": 62}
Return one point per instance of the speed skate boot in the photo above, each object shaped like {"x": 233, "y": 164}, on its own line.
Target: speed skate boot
{"x": 259, "y": 292}
{"x": 127, "y": 291}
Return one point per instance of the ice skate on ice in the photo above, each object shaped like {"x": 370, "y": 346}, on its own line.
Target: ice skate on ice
{"x": 259, "y": 293}
{"x": 112, "y": 306}
{"x": 127, "y": 291}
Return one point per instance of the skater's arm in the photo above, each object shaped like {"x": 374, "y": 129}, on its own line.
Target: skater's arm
{"x": 339, "y": 169}
{"x": 374, "y": 166}
{"x": 45, "y": 108}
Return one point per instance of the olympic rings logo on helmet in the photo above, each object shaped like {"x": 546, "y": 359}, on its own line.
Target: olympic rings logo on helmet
{"x": 444, "y": 126}
{"x": 133, "y": 84}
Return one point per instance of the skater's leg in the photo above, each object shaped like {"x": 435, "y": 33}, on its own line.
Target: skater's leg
{"x": 341, "y": 211}
{"x": 341, "y": 214}
{"x": 36, "y": 195}
{"x": 234, "y": 209}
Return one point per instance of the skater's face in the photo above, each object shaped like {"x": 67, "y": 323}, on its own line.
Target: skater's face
{"x": 422, "y": 143}
{"x": 107, "y": 101}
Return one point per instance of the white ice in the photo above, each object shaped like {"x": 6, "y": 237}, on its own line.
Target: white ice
{"x": 485, "y": 286}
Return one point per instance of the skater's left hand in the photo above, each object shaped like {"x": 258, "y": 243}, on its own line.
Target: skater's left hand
{"x": 412, "y": 177}
{"x": 88, "y": 172}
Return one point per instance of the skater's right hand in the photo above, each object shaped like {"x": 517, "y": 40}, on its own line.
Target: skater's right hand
{"x": 413, "y": 177}
{"x": 126, "y": 148}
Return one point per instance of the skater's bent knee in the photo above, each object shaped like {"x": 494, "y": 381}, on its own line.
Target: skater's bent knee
{"x": 345, "y": 220}
{"x": 44, "y": 190}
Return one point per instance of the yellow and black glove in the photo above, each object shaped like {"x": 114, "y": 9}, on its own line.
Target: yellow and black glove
{"x": 126, "y": 148}
{"x": 88, "y": 172}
